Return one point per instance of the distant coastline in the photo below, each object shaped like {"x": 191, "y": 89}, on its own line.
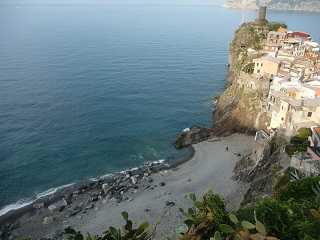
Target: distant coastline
{"x": 303, "y": 6}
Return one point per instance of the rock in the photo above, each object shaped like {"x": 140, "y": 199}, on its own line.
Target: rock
{"x": 75, "y": 193}
{"x": 75, "y": 211}
{"x": 195, "y": 135}
{"x": 58, "y": 206}
{"x": 162, "y": 184}
{"x": 170, "y": 203}
{"x": 47, "y": 220}
{"x": 68, "y": 199}
{"x": 94, "y": 198}
{"x": 38, "y": 205}
{"x": 147, "y": 210}
{"x": 133, "y": 180}
{"x": 106, "y": 188}
{"x": 91, "y": 206}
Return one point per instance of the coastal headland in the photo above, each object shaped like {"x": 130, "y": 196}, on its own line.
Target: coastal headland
{"x": 225, "y": 158}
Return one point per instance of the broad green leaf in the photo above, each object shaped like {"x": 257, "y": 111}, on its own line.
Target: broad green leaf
{"x": 189, "y": 222}
{"x": 125, "y": 215}
{"x": 247, "y": 225}
{"x": 233, "y": 218}
{"x": 226, "y": 228}
{"x": 217, "y": 236}
{"x": 261, "y": 228}
{"x": 181, "y": 229}
{"x": 193, "y": 197}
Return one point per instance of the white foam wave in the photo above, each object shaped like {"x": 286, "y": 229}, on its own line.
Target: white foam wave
{"x": 15, "y": 206}
{"x": 52, "y": 191}
{"x": 25, "y": 202}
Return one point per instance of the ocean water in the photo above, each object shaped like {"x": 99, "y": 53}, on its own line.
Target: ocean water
{"x": 92, "y": 87}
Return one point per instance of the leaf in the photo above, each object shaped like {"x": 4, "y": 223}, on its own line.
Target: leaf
{"x": 261, "y": 228}
{"x": 217, "y": 236}
{"x": 233, "y": 218}
{"x": 190, "y": 211}
{"x": 193, "y": 197}
{"x": 125, "y": 215}
{"x": 189, "y": 222}
{"x": 181, "y": 229}
{"x": 247, "y": 225}
{"x": 226, "y": 228}
{"x": 143, "y": 227}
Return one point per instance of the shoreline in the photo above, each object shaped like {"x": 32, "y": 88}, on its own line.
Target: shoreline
{"x": 158, "y": 190}
{"x": 57, "y": 193}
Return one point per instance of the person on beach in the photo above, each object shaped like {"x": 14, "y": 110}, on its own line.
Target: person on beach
{"x": 227, "y": 148}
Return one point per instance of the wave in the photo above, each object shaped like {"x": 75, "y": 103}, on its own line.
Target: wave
{"x": 26, "y": 202}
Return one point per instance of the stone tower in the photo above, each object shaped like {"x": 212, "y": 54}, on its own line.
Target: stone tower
{"x": 262, "y": 14}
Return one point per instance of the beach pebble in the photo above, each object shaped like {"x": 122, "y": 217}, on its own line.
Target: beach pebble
{"x": 170, "y": 203}
{"x": 133, "y": 180}
{"x": 47, "y": 220}
{"x": 105, "y": 188}
{"x": 75, "y": 211}
{"x": 162, "y": 184}
{"x": 90, "y": 206}
{"x": 38, "y": 206}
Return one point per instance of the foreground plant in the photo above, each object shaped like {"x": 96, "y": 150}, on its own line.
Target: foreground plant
{"x": 142, "y": 232}
{"x": 208, "y": 219}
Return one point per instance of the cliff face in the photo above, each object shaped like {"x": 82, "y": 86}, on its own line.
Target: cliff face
{"x": 241, "y": 108}
{"x": 292, "y": 5}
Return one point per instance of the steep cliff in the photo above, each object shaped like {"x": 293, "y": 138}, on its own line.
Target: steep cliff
{"x": 292, "y": 5}
{"x": 241, "y": 108}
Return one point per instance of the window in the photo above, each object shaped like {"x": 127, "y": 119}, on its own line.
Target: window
{"x": 258, "y": 71}
{"x": 309, "y": 114}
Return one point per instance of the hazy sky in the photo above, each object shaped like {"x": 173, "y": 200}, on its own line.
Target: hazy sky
{"x": 184, "y": 2}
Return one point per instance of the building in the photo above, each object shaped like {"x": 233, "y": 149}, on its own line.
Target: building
{"x": 267, "y": 65}
{"x": 275, "y": 40}
{"x": 293, "y": 47}
{"x": 299, "y": 35}
{"x": 312, "y": 51}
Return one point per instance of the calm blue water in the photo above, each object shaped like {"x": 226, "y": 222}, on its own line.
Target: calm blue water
{"x": 94, "y": 87}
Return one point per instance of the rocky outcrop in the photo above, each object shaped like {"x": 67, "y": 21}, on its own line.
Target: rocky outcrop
{"x": 192, "y": 136}
{"x": 294, "y": 5}
{"x": 241, "y": 108}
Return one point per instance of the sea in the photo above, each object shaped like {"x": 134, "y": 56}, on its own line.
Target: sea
{"x": 91, "y": 87}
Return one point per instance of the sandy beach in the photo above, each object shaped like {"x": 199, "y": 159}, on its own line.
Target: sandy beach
{"x": 159, "y": 197}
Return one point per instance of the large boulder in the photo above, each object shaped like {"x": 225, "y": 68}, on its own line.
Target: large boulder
{"x": 192, "y": 136}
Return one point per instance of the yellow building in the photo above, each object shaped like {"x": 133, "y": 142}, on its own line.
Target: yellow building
{"x": 266, "y": 65}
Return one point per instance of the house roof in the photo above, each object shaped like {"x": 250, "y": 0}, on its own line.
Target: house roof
{"x": 271, "y": 59}
{"x": 299, "y": 34}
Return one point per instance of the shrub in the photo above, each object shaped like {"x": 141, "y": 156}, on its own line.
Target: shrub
{"x": 274, "y": 26}
{"x": 128, "y": 232}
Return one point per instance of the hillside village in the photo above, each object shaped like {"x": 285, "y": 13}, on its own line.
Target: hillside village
{"x": 285, "y": 69}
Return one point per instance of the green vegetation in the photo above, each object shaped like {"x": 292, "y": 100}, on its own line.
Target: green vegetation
{"x": 299, "y": 142}
{"x": 274, "y": 26}
{"x": 247, "y": 36}
{"x": 142, "y": 232}
{"x": 249, "y": 68}
{"x": 293, "y": 213}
